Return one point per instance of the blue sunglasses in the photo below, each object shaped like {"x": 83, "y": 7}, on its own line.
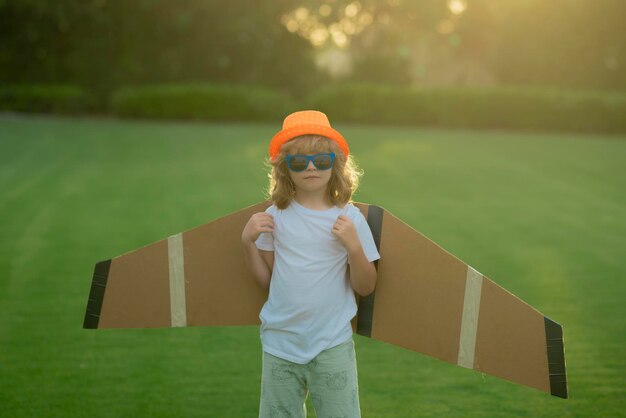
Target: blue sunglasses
{"x": 300, "y": 162}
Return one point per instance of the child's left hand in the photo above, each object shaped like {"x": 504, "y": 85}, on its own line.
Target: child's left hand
{"x": 345, "y": 231}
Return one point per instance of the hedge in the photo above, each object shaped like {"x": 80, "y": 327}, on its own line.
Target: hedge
{"x": 514, "y": 108}
{"x": 498, "y": 107}
{"x": 201, "y": 101}
{"x": 41, "y": 98}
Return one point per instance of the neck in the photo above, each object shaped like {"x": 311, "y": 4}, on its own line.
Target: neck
{"x": 316, "y": 200}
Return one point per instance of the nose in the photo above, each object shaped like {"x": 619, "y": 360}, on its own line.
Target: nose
{"x": 310, "y": 166}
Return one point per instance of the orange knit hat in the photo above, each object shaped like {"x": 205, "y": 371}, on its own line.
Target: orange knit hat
{"x": 303, "y": 123}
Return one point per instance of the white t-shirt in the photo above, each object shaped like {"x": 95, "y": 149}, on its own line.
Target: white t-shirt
{"x": 311, "y": 302}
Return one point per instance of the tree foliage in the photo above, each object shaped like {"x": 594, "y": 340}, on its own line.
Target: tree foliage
{"x": 103, "y": 44}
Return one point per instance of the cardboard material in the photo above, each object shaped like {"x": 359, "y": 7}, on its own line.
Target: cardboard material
{"x": 426, "y": 300}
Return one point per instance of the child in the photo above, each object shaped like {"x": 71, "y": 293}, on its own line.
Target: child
{"x": 312, "y": 249}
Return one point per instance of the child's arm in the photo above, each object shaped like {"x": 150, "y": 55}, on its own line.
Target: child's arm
{"x": 363, "y": 273}
{"x": 259, "y": 263}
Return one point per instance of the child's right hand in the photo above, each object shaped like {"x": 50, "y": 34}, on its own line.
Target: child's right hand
{"x": 257, "y": 224}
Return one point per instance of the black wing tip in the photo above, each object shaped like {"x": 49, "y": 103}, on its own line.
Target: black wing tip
{"x": 556, "y": 358}
{"x": 96, "y": 294}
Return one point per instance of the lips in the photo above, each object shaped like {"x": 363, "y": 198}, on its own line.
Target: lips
{"x": 311, "y": 177}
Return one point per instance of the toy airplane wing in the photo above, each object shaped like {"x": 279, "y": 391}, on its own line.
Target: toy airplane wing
{"x": 426, "y": 300}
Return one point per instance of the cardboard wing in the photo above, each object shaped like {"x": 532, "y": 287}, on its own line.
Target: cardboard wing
{"x": 426, "y": 300}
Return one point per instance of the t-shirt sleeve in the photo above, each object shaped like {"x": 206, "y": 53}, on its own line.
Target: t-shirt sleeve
{"x": 265, "y": 241}
{"x": 365, "y": 236}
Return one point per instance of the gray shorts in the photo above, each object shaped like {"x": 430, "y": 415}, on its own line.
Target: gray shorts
{"x": 330, "y": 378}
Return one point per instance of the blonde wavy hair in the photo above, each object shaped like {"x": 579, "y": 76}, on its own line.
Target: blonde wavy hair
{"x": 344, "y": 179}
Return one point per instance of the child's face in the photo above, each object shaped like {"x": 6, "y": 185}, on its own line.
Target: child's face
{"x": 311, "y": 179}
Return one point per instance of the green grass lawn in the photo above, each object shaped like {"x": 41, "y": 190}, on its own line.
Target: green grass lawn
{"x": 543, "y": 215}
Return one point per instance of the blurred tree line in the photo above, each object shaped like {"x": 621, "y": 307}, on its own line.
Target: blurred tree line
{"x": 107, "y": 43}
{"x": 563, "y": 43}
{"x": 103, "y": 44}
